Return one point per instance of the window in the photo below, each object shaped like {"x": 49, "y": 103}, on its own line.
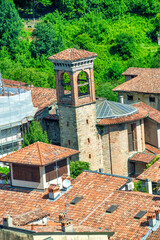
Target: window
{"x": 88, "y": 140}
{"x": 87, "y": 121}
{"x": 53, "y": 171}
{"x": 130, "y": 97}
{"x": 152, "y": 99}
{"x": 69, "y": 142}
{"x": 83, "y": 84}
{"x": 132, "y": 137}
{"x": 26, "y": 173}
{"x": 89, "y": 155}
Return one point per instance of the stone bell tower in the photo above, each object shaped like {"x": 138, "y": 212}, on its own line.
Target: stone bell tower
{"x": 77, "y": 109}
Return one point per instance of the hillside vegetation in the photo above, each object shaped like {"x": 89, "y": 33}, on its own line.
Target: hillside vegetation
{"x": 123, "y": 33}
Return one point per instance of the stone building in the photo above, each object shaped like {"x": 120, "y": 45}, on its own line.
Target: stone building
{"x": 141, "y": 85}
{"x": 106, "y": 133}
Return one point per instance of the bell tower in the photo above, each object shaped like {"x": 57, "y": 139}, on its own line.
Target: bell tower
{"x": 77, "y": 107}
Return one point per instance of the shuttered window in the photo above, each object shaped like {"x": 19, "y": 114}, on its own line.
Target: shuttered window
{"x": 26, "y": 173}
{"x": 53, "y": 171}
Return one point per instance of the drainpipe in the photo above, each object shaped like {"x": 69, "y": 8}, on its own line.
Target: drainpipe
{"x": 110, "y": 148}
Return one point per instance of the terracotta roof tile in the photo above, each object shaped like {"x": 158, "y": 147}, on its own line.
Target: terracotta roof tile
{"x": 41, "y": 97}
{"x": 99, "y": 192}
{"x": 147, "y": 80}
{"x": 142, "y": 113}
{"x": 72, "y": 54}
{"x": 152, "y": 149}
{"x": 153, "y": 172}
{"x": 39, "y": 154}
{"x": 30, "y": 216}
{"x": 153, "y": 113}
{"x": 142, "y": 157}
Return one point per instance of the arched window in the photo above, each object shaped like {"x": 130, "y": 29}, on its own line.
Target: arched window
{"x": 83, "y": 84}
{"x": 66, "y": 82}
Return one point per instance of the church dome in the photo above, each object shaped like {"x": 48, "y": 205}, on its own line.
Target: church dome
{"x": 109, "y": 109}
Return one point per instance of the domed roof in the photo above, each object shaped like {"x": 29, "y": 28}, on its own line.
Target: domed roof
{"x": 109, "y": 109}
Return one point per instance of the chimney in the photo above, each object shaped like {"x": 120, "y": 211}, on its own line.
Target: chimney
{"x": 66, "y": 176}
{"x": 67, "y": 225}
{"x": 148, "y": 185}
{"x": 62, "y": 216}
{"x": 7, "y": 221}
{"x": 54, "y": 191}
{"x": 152, "y": 219}
{"x": 121, "y": 99}
{"x": 157, "y": 214}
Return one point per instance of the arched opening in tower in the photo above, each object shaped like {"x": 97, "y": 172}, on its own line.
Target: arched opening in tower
{"x": 83, "y": 84}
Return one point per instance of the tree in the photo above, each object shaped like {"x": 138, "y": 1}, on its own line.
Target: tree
{"x": 45, "y": 41}
{"x": 10, "y": 25}
{"x": 125, "y": 46}
{"x": 77, "y": 168}
{"x": 34, "y": 134}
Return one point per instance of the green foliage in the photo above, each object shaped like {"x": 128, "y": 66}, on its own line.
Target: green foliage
{"x": 125, "y": 46}
{"x": 34, "y": 134}
{"x": 138, "y": 187}
{"x": 77, "y": 168}
{"x": 105, "y": 90}
{"x": 153, "y": 161}
{"x": 4, "y": 170}
{"x": 10, "y": 25}
{"x": 45, "y": 40}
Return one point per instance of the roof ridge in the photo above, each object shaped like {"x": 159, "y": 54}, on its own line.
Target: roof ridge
{"x": 40, "y": 154}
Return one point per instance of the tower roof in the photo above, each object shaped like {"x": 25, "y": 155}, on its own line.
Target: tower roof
{"x": 39, "y": 154}
{"x": 72, "y": 54}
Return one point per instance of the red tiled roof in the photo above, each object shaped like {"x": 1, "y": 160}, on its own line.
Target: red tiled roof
{"x": 72, "y": 54}
{"x": 153, "y": 172}
{"x": 153, "y": 113}
{"x": 41, "y": 97}
{"x": 27, "y": 217}
{"x": 142, "y": 157}
{"x": 142, "y": 113}
{"x": 152, "y": 149}
{"x": 147, "y": 80}
{"x": 39, "y": 154}
{"x": 99, "y": 192}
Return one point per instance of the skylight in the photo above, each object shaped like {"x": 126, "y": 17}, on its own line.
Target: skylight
{"x": 76, "y": 200}
{"x": 112, "y": 208}
{"x": 140, "y": 214}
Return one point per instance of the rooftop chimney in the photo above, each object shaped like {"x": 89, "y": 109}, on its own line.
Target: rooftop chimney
{"x": 148, "y": 185}
{"x": 62, "y": 216}
{"x": 7, "y": 221}
{"x": 54, "y": 191}
{"x": 121, "y": 99}
{"x": 67, "y": 225}
{"x": 157, "y": 214}
{"x": 152, "y": 219}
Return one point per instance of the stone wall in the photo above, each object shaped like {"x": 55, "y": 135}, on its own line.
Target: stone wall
{"x": 151, "y": 136}
{"x": 78, "y": 131}
{"x": 52, "y": 129}
{"x": 114, "y": 140}
{"x": 141, "y": 97}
